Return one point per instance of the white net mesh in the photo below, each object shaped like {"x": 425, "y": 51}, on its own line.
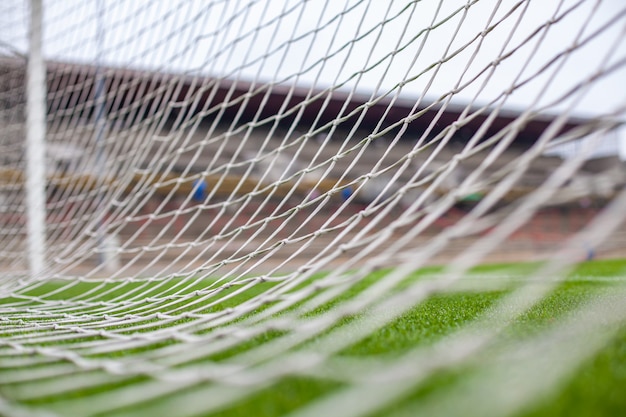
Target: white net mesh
{"x": 224, "y": 179}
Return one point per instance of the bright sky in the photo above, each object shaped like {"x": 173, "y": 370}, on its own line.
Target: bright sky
{"x": 370, "y": 45}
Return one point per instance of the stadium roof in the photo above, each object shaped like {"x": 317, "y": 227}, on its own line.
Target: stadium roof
{"x": 137, "y": 92}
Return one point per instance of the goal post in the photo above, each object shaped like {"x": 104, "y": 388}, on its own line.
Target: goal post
{"x": 36, "y": 142}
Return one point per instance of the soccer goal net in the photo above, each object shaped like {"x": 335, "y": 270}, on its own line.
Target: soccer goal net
{"x": 205, "y": 201}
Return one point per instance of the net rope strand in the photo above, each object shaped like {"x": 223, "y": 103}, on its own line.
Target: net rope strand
{"x": 298, "y": 212}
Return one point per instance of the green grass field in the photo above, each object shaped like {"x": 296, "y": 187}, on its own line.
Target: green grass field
{"x": 595, "y": 387}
